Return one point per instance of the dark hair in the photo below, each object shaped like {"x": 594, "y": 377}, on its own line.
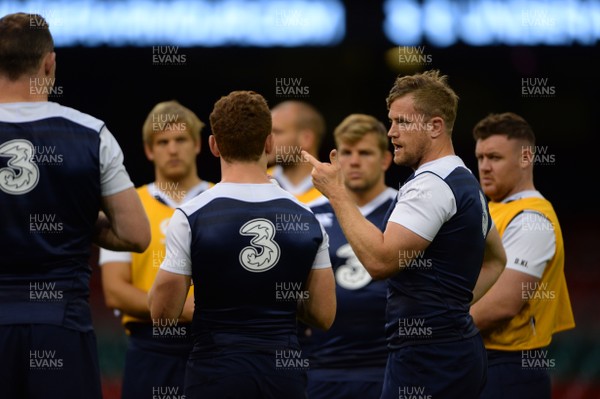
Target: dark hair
{"x": 509, "y": 124}
{"x": 241, "y": 122}
{"x": 24, "y": 40}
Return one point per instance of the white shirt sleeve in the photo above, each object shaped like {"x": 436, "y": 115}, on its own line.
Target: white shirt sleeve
{"x": 108, "y": 256}
{"x": 424, "y": 204}
{"x": 529, "y": 242}
{"x": 179, "y": 237}
{"x": 113, "y": 176}
{"x": 322, "y": 260}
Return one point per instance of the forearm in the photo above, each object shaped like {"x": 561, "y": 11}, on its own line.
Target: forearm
{"x": 366, "y": 240}
{"x": 318, "y": 307}
{"x": 494, "y": 260}
{"x": 128, "y": 299}
{"x": 321, "y": 317}
{"x": 488, "y": 316}
{"x": 487, "y": 277}
{"x": 106, "y": 237}
{"x": 167, "y": 296}
{"x": 187, "y": 313}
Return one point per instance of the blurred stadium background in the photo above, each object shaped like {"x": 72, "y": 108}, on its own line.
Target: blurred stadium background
{"x": 116, "y": 59}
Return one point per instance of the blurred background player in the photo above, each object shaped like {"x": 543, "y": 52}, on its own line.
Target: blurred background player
{"x": 297, "y": 126}
{"x": 530, "y": 301}
{"x": 58, "y": 168}
{"x": 156, "y": 357}
{"x": 439, "y": 249}
{"x": 253, "y": 273}
{"x": 348, "y": 361}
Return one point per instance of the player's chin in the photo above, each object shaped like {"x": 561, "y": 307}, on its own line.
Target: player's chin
{"x": 489, "y": 190}
{"x": 355, "y": 185}
{"x": 176, "y": 173}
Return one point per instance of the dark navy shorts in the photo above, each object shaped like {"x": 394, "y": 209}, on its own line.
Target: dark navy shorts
{"x": 155, "y": 361}
{"x": 345, "y": 383}
{"x": 245, "y": 376}
{"x": 44, "y": 361}
{"x": 438, "y": 370}
{"x": 513, "y": 375}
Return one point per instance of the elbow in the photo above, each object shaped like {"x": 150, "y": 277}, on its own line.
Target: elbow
{"x": 111, "y": 291}
{"x": 110, "y": 301}
{"x": 377, "y": 275}
{"x": 139, "y": 240}
{"x": 499, "y": 268}
{"x": 139, "y": 247}
{"x": 509, "y": 310}
{"x": 326, "y": 321}
{"x": 380, "y": 271}
{"x": 142, "y": 241}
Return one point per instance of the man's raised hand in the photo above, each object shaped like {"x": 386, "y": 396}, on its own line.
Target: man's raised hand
{"x": 327, "y": 177}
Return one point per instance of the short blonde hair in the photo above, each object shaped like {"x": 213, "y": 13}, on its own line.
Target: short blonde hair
{"x": 174, "y": 115}
{"x": 356, "y": 126}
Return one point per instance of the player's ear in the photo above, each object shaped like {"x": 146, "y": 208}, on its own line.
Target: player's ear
{"x": 386, "y": 160}
{"x": 214, "y": 148}
{"x": 197, "y": 145}
{"x": 269, "y": 144}
{"x": 148, "y": 151}
{"x": 49, "y": 63}
{"x": 436, "y": 126}
{"x": 307, "y": 139}
{"x": 526, "y": 154}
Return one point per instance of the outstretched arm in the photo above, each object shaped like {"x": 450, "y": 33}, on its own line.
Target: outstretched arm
{"x": 380, "y": 253}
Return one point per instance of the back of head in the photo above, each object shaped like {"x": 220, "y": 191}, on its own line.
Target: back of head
{"x": 24, "y": 40}
{"x": 240, "y": 123}
{"x": 508, "y": 124}
{"x": 173, "y": 116}
{"x": 355, "y": 126}
{"x": 431, "y": 93}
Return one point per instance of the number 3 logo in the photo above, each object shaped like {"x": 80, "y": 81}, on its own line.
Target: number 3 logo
{"x": 21, "y": 174}
{"x": 352, "y": 275}
{"x": 263, "y": 253}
